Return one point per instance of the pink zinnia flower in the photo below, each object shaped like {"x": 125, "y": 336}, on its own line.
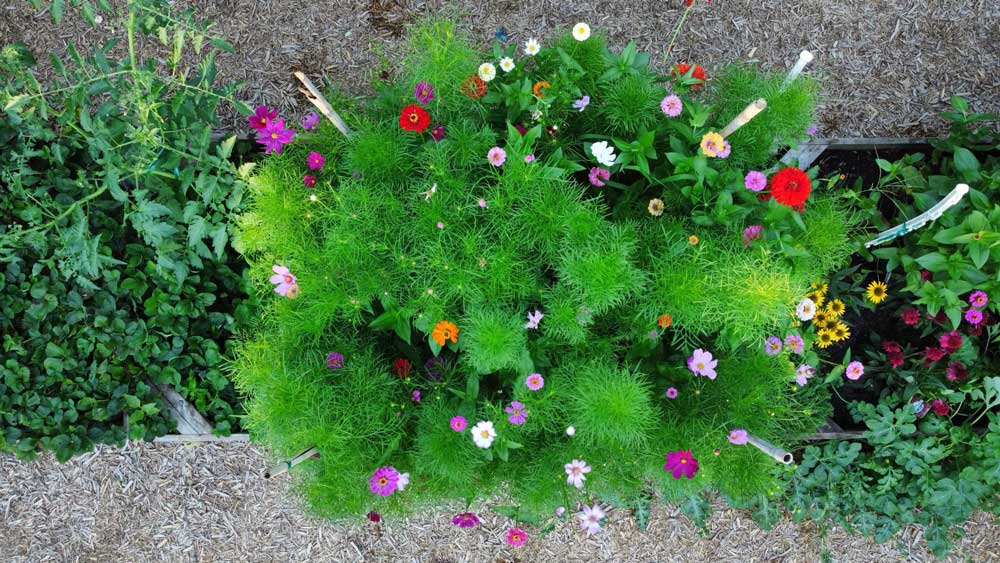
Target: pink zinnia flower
{"x": 973, "y": 316}
{"x": 590, "y": 518}
{"x": 310, "y": 121}
{"x": 671, "y": 105}
{"x": 423, "y": 92}
{"x": 261, "y": 117}
{"x": 534, "y": 381}
{"x": 702, "y": 363}
{"x": 465, "y": 520}
{"x": 803, "y": 373}
{"x": 681, "y": 463}
{"x": 315, "y": 161}
{"x": 335, "y": 360}
{"x": 517, "y": 413}
{"x": 282, "y": 279}
{"x": 497, "y": 156}
{"x": 458, "y": 423}
{"x": 939, "y": 407}
{"x": 309, "y": 181}
{"x": 738, "y": 436}
{"x": 951, "y": 341}
{"x": 795, "y": 343}
{"x": 437, "y": 133}
{"x": 854, "y": 371}
{"x": 752, "y": 233}
{"x": 755, "y": 181}
{"x": 979, "y": 299}
{"x": 597, "y": 174}
{"x": 671, "y": 392}
{"x": 956, "y": 371}
{"x": 576, "y": 472}
{"x": 384, "y": 481}
{"x": 911, "y": 316}
{"x": 274, "y": 136}
{"x": 772, "y": 346}
{"x": 516, "y": 537}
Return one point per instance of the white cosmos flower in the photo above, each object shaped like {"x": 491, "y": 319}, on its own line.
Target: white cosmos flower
{"x": 507, "y": 64}
{"x": 590, "y": 518}
{"x": 604, "y": 154}
{"x": 404, "y": 480}
{"x": 487, "y": 72}
{"x": 483, "y": 434}
{"x": 805, "y": 310}
{"x": 581, "y": 31}
{"x": 576, "y": 472}
{"x": 531, "y": 47}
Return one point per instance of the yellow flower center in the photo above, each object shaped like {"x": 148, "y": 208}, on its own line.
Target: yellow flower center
{"x": 701, "y": 365}
{"x": 383, "y": 481}
{"x": 414, "y": 117}
{"x": 274, "y": 135}
{"x": 486, "y": 433}
{"x": 576, "y": 471}
{"x": 683, "y": 460}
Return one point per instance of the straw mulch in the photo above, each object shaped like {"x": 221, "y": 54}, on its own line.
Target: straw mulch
{"x": 209, "y": 503}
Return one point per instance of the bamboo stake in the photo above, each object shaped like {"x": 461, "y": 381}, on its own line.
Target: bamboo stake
{"x": 744, "y": 117}
{"x": 324, "y": 107}
{"x": 288, "y": 464}
{"x": 779, "y": 455}
{"x": 805, "y": 57}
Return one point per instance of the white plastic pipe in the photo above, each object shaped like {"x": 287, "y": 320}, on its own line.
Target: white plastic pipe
{"x": 778, "y": 454}
{"x": 805, "y": 57}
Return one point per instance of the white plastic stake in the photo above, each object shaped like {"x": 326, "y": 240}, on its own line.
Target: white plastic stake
{"x": 805, "y": 57}
{"x": 946, "y": 203}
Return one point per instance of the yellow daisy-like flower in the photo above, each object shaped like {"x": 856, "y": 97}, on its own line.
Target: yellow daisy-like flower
{"x": 840, "y": 332}
{"x": 712, "y": 144}
{"x": 821, "y": 318}
{"x": 824, "y": 338}
{"x": 817, "y": 298}
{"x": 836, "y": 308}
{"x": 877, "y": 292}
{"x": 820, "y": 286}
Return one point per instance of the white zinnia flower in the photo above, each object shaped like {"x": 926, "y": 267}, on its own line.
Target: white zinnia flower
{"x": 581, "y": 31}
{"x": 487, "y": 72}
{"x": 590, "y": 518}
{"x": 483, "y": 434}
{"x": 576, "y": 472}
{"x": 604, "y": 154}
{"x": 531, "y": 47}
{"x": 805, "y": 310}
{"x": 507, "y": 64}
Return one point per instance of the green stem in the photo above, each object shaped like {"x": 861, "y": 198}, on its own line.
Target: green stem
{"x": 65, "y": 213}
{"x": 677, "y": 30}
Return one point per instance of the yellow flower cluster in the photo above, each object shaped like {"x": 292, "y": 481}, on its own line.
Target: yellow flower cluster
{"x": 829, "y": 327}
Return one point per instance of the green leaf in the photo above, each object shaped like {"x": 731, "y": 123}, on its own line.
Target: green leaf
{"x": 56, "y": 10}
{"x": 222, "y": 45}
{"x": 966, "y": 163}
{"x": 87, "y": 11}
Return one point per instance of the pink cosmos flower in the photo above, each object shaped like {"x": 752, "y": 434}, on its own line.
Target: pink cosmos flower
{"x": 576, "y": 472}
{"x": 973, "y": 316}
{"x": 261, "y": 117}
{"x": 702, "y": 363}
{"x": 335, "y": 360}
{"x": 282, "y": 279}
{"x": 309, "y": 181}
{"x": 404, "y": 480}
{"x": 956, "y": 371}
{"x": 497, "y": 156}
{"x": 440, "y": 225}
{"x": 482, "y": 203}
{"x": 416, "y": 396}
{"x": 795, "y": 343}
{"x": 979, "y": 299}
{"x": 465, "y": 520}
{"x": 755, "y": 181}
{"x": 671, "y": 105}
{"x": 681, "y": 463}
{"x": 534, "y": 319}
{"x": 738, "y": 436}
{"x": 854, "y": 370}
{"x": 529, "y": 158}
{"x": 384, "y": 481}
{"x": 597, "y": 174}
{"x": 582, "y": 103}
{"x": 458, "y": 423}
{"x": 671, "y": 392}
{"x": 517, "y": 413}
{"x": 423, "y": 92}
{"x": 274, "y": 136}
{"x": 516, "y": 537}
{"x": 752, "y": 233}
{"x": 310, "y": 121}
{"x": 315, "y": 161}
{"x": 772, "y": 346}
{"x": 590, "y": 518}
{"x": 534, "y": 381}
{"x": 560, "y": 511}
{"x": 803, "y": 373}
{"x": 437, "y": 133}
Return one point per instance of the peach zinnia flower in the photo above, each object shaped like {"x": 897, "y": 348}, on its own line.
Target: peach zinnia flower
{"x": 445, "y": 331}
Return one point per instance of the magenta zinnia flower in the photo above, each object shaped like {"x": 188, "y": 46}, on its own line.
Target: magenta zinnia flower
{"x": 671, "y": 392}
{"x": 738, "y": 436}
{"x": 597, "y": 174}
{"x": 310, "y": 121}
{"x": 516, "y": 537}
{"x": 384, "y": 481}
{"x": 261, "y": 117}
{"x": 755, "y": 181}
{"x": 465, "y": 520}
{"x": 951, "y": 341}
{"x": 274, "y": 135}
{"x": 772, "y": 346}
{"x": 671, "y": 106}
{"x": 752, "y": 233}
{"x": 437, "y": 133}
{"x": 423, "y": 92}
{"x": 681, "y": 463}
{"x": 517, "y": 413}
{"x": 309, "y": 181}
{"x": 534, "y": 381}
{"x": 795, "y": 343}
{"x": 282, "y": 279}
{"x": 979, "y": 299}
{"x": 702, "y": 363}
{"x": 335, "y": 360}
{"x": 956, "y": 371}
{"x": 315, "y": 161}
{"x": 458, "y": 423}
{"x": 973, "y": 316}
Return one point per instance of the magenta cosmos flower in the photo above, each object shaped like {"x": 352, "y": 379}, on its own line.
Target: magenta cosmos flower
{"x": 465, "y": 520}
{"x": 803, "y": 373}
{"x": 772, "y": 346}
{"x": 979, "y": 299}
{"x": 334, "y": 360}
{"x": 458, "y": 423}
{"x": 274, "y": 136}
{"x": 497, "y": 156}
{"x": 795, "y": 343}
{"x": 437, "y": 133}
{"x": 973, "y": 316}
{"x": 681, "y": 463}
{"x": 755, "y": 181}
{"x": 854, "y": 371}
{"x": 516, "y": 537}
{"x": 282, "y": 279}
{"x": 384, "y": 481}
{"x": 671, "y": 106}
{"x": 672, "y": 393}
{"x": 261, "y": 117}
{"x": 310, "y": 121}
{"x": 597, "y": 174}
{"x": 738, "y": 436}
{"x": 315, "y": 161}
{"x": 415, "y": 396}
{"x": 752, "y": 233}
{"x": 309, "y": 181}
{"x": 517, "y": 413}
{"x": 702, "y": 363}
{"x": 423, "y": 92}
{"x": 534, "y": 381}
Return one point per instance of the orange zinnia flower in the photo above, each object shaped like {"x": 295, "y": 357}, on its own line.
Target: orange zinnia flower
{"x": 537, "y": 88}
{"x": 445, "y": 331}
{"x": 665, "y": 321}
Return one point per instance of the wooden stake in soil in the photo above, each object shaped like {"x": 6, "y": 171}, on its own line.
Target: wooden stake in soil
{"x": 931, "y": 214}
{"x": 779, "y": 455}
{"x": 288, "y": 464}
{"x": 805, "y": 57}
{"x": 324, "y": 107}
{"x": 744, "y": 117}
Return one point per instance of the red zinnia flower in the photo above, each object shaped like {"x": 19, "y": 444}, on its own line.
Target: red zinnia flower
{"x": 911, "y": 316}
{"x": 683, "y": 68}
{"x": 891, "y": 346}
{"x": 940, "y": 407}
{"x": 791, "y": 187}
{"x": 473, "y": 87}
{"x": 956, "y": 371}
{"x": 764, "y": 195}
{"x": 414, "y": 118}
{"x": 401, "y": 367}
{"x": 895, "y": 359}
{"x": 933, "y": 354}
{"x": 925, "y": 275}
{"x": 951, "y": 341}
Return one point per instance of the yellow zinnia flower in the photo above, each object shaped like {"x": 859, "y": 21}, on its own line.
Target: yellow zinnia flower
{"x": 840, "y": 332}
{"x": 824, "y": 338}
{"x": 877, "y": 292}
{"x": 712, "y": 144}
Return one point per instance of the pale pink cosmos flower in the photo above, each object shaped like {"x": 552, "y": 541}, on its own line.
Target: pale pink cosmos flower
{"x": 282, "y": 279}
{"x": 590, "y": 518}
{"x": 702, "y": 363}
{"x": 576, "y": 472}
{"x": 534, "y": 319}
{"x": 803, "y": 373}
{"x": 738, "y": 436}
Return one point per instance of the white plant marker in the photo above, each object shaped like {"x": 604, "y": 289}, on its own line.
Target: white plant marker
{"x": 805, "y": 57}
{"x": 949, "y": 201}
{"x": 288, "y": 464}
{"x": 744, "y": 117}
